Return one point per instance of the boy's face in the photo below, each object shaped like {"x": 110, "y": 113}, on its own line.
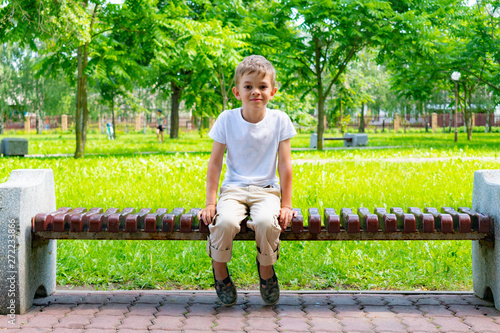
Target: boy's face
{"x": 254, "y": 91}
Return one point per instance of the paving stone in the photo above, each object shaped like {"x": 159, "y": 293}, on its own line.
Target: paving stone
{"x": 254, "y": 300}
{"x": 43, "y": 321}
{"x": 435, "y": 310}
{"x": 68, "y": 330}
{"x": 424, "y": 300}
{"x": 142, "y": 309}
{"x": 315, "y": 311}
{"x": 290, "y": 324}
{"x": 289, "y": 311}
{"x": 418, "y": 324}
{"x": 207, "y": 298}
{"x": 92, "y": 330}
{"x": 56, "y": 309}
{"x": 113, "y": 309}
{"x": 343, "y": 300}
{"x": 348, "y": 311}
{"x": 6, "y": 322}
{"x": 43, "y": 300}
{"x": 370, "y": 300}
{"x": 474, "y": 300}
{"x": 324, "y": 324}
{"x": 356, "y": 324}
{"x": 489, "y": 311}
{"x": 261, "y": 324}
{"x": 172, "y": 309}
{"x": 197, "y": 331}
{"x": 465, "y": 310}
{"x": 73, "y": 321}
{"x": 386, "y": 324}
{"x": 398, "y": 300}
{"x": 123, "y": 298}
{"x": 85, "y": 309}
{"x": 68, "y": 299}
{"x": 290, "y": 300}
{"x": 136, "y": 323}
{"x": 167, "y": 323}
{"x": 373, "y": 311}
{"x": 230, "y": 324}
{"x": 202, "y": 310}
{"x": 105, "y": 322}
{"x": 262, "y": 311}
{"x": 315, "y": 299}
{"x": 128, "y": 330}
{"x": 178, "y": 298}
{"x": 96, "y": 299}
{"x": 450, "y": 324}
{"x": 452, "y": 299}
{"x": 231, "y": 311}
{"x": 199, "y": 323}
{"x": 481, "y": 324}
{"x": 407, "y": 311}
{"x": 28, "y": 330}
{"x": 150, "y": 299}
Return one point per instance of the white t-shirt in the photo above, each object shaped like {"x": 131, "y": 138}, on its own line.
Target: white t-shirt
{"x": 252, "y": 149}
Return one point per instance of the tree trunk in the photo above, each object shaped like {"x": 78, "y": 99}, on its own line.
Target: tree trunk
{"x": 174, "y": 114}
{"x": 470, "y": 123}
{"x": 79, "y": 105}
{"x": 113, "y": 114}
{"x": 361, "y": 128}
{"x": 321, "y": 98}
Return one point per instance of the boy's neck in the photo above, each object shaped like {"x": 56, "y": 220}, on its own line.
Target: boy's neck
{"x": 253, "y": 116}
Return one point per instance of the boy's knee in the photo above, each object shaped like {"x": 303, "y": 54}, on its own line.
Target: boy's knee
{"x": 225, "y": 223}
{"x": 264, "y": 221}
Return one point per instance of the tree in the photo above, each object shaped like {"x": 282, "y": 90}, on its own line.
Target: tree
{"x": 329, "y": 36}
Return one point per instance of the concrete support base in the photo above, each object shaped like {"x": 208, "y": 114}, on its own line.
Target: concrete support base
{"x": 485, "y": 257}
{"x": 27, "y": 269}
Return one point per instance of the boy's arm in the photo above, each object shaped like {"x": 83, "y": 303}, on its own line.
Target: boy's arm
{"x": 285, "y": 174}
{"x": 213, "y": 176}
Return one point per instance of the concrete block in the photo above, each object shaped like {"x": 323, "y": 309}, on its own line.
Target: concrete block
{"x": 14, "y": 147}
{"x": 486, "y": 258}
{"x": 359, "y": 139}
{"x": 27, "y": 267}
{"x": 313, "y": 141}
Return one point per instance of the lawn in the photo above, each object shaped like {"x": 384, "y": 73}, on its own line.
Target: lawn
{"x": 414, "y": 169}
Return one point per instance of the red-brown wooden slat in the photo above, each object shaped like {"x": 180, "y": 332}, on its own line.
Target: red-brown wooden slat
{"x": 314, "y": 221}
{"x": 406, "y": 222}
{"x": 368, "y": 221}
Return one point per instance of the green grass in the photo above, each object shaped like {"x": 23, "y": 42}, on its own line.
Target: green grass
{"x": 121, "y": 175}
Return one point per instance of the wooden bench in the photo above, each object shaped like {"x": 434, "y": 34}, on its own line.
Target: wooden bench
{"x": 30, "y": 224}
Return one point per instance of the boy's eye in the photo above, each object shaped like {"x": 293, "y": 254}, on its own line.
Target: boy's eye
{"x": 247, "y": 87}
{"x": 263, "y": 87}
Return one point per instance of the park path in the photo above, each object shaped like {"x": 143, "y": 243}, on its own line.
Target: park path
{"x": 198, "y": 311}
{"x": 397, "y": 159}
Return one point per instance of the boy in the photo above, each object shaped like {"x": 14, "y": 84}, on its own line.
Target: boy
{"x": 160, "y": 124}
{"x": 256, "y": 139}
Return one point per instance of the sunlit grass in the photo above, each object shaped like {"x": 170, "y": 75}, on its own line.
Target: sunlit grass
{"x": 119, "y": 175}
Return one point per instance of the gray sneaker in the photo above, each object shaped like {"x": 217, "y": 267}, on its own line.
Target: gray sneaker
{"x": 269, "y": 289}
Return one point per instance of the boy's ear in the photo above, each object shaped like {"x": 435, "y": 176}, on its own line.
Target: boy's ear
{"x": 236, "y": 93}
{"x": 273, "y": 91}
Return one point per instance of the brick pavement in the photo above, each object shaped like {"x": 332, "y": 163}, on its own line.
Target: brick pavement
{"x": 182, "y": 311}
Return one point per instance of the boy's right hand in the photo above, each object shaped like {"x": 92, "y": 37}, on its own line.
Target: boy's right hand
{"x": 207, "y": 214}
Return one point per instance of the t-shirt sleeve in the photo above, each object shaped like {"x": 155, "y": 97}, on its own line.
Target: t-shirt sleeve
{"x": 287, "y": 129}
{"x": 218, "y": 132}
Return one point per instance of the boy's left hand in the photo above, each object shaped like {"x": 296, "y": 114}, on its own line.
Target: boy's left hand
{"x": 285, "y": 218}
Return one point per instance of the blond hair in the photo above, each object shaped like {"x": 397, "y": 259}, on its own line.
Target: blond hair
{"x": 254, "y": 64}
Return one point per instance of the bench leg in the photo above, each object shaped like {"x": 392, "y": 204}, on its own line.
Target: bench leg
{"x": 27, "y": 268}
{"x": 485, "y": 256}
